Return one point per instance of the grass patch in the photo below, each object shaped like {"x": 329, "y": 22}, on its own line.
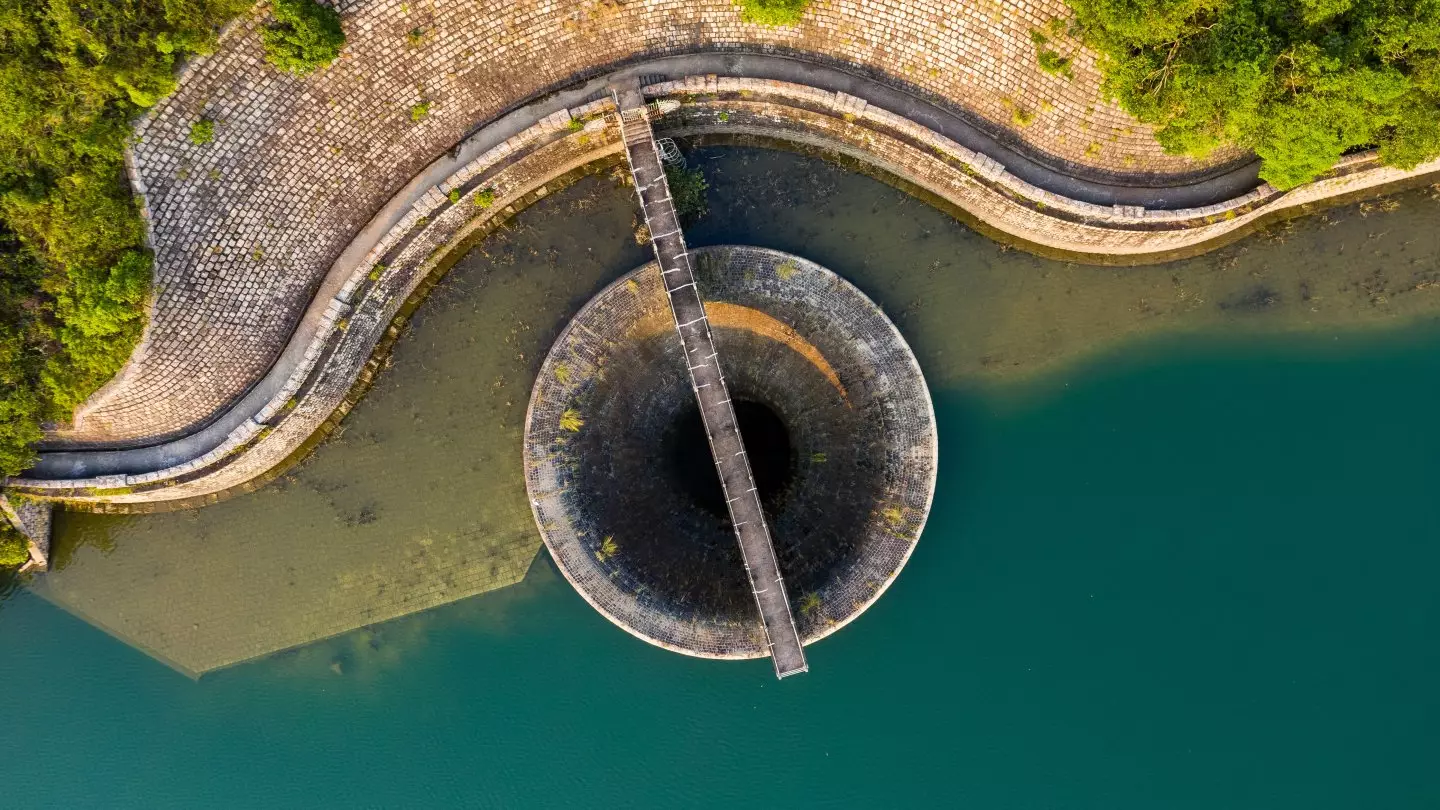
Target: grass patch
{"x": 773, "y": 12}
{"x": 14, "y": 548}
{"x": 202, "y": 132}
{"x": 570, "y": 420}
{"x": 608, "y": 548}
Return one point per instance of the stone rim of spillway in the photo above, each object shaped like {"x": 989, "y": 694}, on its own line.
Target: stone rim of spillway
{"x": 789, "y": 319}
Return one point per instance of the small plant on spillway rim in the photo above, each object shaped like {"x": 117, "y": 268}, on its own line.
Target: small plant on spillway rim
{"x": 202, "y": 132}
{"x": 453, "y": 196}
{"x": 485, "y": 197}
{"x": 420, "y": 111}
{"x": 687, "y": 190}
{"x": 810, "y": 603}
{"x": 817, "y": 458}
{"x": 608, "y": 549}
{"x": 893, "y": 515}
{"x": 415, "y": 37}
{"x": 575, "y": 125}
{"x": 570, "y": 420}
{"x": 304, "y": 37}
{"x": 786, "y": 270}
{"x": 773, "y": 12}
{"x": 376, "y": 272}
{"x": 562, "y": 373}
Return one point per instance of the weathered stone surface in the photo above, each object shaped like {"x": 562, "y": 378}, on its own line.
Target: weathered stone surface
{"x": 245, "y": 227}
{"x": 632, "y": 536}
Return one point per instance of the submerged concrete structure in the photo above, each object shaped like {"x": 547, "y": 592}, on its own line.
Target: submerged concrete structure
{"x": 840, "y": 435}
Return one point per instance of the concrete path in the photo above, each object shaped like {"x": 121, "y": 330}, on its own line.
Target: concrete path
{"x": 726, "y": 444}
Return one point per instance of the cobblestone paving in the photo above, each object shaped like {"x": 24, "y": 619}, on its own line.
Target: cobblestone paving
{"x": 245, "y": 227}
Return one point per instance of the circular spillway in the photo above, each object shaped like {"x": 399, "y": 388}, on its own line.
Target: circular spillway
{"x": 837, "y": 423}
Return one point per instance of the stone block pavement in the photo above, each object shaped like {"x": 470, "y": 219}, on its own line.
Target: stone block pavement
{"x": 244, "y": 228}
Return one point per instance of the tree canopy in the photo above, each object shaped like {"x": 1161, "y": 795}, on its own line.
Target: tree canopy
{"x": 74, "y": 271}
{"x": 1299, "y": 82}
{"x": 304, "y": 37}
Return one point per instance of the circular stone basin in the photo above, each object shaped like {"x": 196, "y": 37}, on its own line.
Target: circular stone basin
{"x": 837, "y": 423}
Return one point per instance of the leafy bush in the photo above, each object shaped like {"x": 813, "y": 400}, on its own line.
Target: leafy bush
{"x": 773, "y": 12}
{"x": 687, "y": 190}
{"x": 74, "y": 272}
{"x": 304, "y": 37}
{"x": 14, "y": 548}
{"x": 1299, "y": 82}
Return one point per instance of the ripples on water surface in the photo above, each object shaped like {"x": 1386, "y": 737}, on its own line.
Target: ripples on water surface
{"x": 1194, "y": 570}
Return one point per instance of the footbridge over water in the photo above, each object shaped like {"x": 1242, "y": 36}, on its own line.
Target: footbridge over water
{"x": 706, "y": 377}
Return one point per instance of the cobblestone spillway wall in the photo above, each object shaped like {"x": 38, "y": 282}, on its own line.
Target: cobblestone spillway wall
{"x": 843, "y": 444}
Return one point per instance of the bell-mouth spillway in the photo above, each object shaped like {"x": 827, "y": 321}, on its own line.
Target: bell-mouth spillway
{"x": 838, "y": 427}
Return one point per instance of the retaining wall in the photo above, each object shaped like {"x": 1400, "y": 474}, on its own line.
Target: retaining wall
{"x": 339, "y": 342}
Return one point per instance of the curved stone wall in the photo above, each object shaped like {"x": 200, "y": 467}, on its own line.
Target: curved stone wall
{"x": 246, "y": 228}
{"x": 362, "y": 296}
{"x": 623, "y": 485}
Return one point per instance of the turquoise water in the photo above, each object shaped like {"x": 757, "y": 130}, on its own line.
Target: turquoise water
{"x": 1191, "y": 574}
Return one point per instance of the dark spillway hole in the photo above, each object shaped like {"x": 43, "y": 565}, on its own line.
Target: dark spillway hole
{"x": 766, "y": 441}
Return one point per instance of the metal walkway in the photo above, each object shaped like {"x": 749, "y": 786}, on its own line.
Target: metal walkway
{"x": 726, "y": 446}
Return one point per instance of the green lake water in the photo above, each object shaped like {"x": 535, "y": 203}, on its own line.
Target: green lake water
{"x": 1182, "y": 555}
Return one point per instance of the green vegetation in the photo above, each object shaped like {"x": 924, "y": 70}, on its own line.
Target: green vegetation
{"x": 416, "y": 37}
{"x": 14, "y": 549}
{"x": 608, "y": 549}
{"x": 575, "y": 125}
{"x": 420, "y": 111}
{"x": 202, "y": 132}
{"x": 304, "y": 37}
{"x": 773, "y": 12}
{"x": 1299, "y": 82}
{"x": 1049, "y": 59}
{"x": 74, "y": 272}
{"x": 810, "y": 603}
{"x": 485, "y": 197}
{"x": 570, "y": 420}
{"x": 687, "y": 190}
